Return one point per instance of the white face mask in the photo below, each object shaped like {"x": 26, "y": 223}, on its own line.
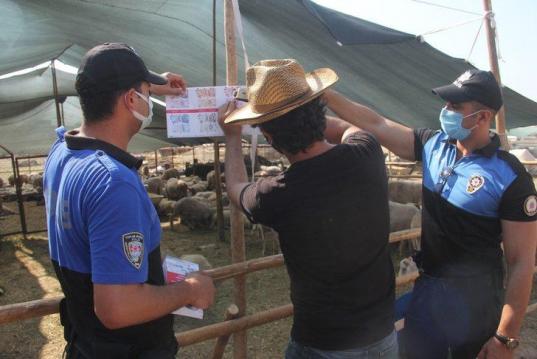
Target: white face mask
{"x": 145, "y": 120}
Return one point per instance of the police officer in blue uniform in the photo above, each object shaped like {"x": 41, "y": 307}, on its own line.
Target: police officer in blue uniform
{"x": 476, "y": 198}
{"x": 104, "y": 233}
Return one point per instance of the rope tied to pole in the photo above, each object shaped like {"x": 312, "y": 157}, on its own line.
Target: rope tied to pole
{"x": 487, "y": 15}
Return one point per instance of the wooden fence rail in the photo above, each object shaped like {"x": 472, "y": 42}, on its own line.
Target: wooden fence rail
{"x": 37, "y": 308}
{"x": 41, "y": 307}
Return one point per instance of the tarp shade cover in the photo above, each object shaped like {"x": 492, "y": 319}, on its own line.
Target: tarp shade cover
{"x": 37, "y": 128}
{"x": 392, "y": 76}
{"x": 36, "y": 85}
{"x": 349, "y": 30}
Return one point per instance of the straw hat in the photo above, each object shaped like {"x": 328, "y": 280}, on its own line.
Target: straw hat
{"x": 276, "y": 87}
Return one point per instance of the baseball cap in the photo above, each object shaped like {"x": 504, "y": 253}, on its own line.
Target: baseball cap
{"x": 113, "y": 66}
{"x": 473, "y": 85}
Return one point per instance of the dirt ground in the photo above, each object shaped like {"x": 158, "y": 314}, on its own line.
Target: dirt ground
{"x": 26, "y": 274}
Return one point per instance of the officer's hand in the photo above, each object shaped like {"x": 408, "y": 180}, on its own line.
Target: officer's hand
{"x": 202, "y": 288}
{"x": 223, "y": 113}
{"x": 176, "y": 85}
{"x": 494, "y": 349}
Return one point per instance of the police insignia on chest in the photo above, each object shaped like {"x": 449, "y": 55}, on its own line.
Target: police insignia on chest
{"x": 133, "y": 247}
{"x": 530, "y": 206}
{"x": 475, "y": 183}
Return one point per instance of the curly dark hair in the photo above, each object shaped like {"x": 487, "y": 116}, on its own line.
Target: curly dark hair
{"x": 298, "y": 129}
{"x": 97, "y": 104}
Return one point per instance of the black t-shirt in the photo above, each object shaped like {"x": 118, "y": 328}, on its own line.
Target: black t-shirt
{"x": 331, "y": 214}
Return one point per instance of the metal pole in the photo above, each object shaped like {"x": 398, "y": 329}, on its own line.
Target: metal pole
{"x": 18, "y": 190}
{"x": 238, "y": 251}
{"x": 218, "y": 189}
{"x": 55, "y": 89}
{"x": 214, "y": 42}
{"x": 14, "y": 167}
{"x": 216, "y": 150}
{"x": 490, "y": 26}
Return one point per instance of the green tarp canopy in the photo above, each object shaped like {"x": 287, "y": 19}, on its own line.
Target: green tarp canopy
{"x": 390, "y": 71}
{"x": 36, "y": 128}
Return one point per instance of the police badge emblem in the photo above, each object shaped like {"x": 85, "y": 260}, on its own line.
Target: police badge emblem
{"x": 530, "y": 206}
{"x": 133, "y": 247}
{"x": 475, "y": 183}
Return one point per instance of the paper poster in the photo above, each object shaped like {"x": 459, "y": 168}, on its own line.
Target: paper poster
{"x": 176, "y": 270}
{"x": 196, "y": 113}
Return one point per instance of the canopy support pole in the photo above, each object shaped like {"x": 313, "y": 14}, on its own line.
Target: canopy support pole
{"x": 238, "y": 252}
{"x": 59, "y": 121}
{"x": 490, "y": 26}
{"x": 217, "y": 177}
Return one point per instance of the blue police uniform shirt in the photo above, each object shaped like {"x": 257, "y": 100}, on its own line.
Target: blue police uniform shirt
{"x": 101, "y": 221}
{"x": 465, "y": 200}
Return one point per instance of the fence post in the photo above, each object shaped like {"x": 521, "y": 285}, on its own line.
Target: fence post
{"x": 220, "y": 345}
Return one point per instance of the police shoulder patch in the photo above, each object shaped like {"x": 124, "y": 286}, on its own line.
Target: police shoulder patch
{"x": 133, "y": 247}
{"x": 530, "y": 206}
{"x": 475, "y": 182}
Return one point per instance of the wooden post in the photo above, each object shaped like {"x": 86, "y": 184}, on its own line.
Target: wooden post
{"x": 220, "y": 345}
{"x": 238, "y": 252}
{"x": 495, "y": 68}
{"x": 55, "y": 89}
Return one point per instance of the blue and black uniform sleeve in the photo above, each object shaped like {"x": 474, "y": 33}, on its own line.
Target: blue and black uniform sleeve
{"x": 421, "y": 136}
{"x": 118, "y": 230}
{"x": 519, "y": 201}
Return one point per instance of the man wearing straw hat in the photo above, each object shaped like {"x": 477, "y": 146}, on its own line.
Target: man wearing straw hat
{"x": 330, "y": 209}
{"x": 476, "y": 198}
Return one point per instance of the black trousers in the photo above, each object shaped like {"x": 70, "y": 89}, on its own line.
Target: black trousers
{"x": 451, "y": 316}
{"x": 119, "y": 351}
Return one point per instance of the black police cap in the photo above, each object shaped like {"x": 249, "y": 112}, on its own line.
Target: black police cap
{"x": 473, "y": 85}
{"x": 113, "y": 66}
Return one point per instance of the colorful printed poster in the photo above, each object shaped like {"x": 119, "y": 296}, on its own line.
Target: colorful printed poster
{"x": 196, "y": 113}
{"x": 176, "y": 270}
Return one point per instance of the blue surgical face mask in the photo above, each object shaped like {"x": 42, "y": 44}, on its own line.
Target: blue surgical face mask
{"x": 451, "y": 123}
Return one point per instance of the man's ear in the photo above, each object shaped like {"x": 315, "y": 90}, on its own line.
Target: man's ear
{"x": 486, "y": 116}
{"x": 128, "y": 98}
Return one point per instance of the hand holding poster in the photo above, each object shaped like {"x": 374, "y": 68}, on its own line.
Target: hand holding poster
{"x": 196, "y": 113}
{"x": 176, "y": 270}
